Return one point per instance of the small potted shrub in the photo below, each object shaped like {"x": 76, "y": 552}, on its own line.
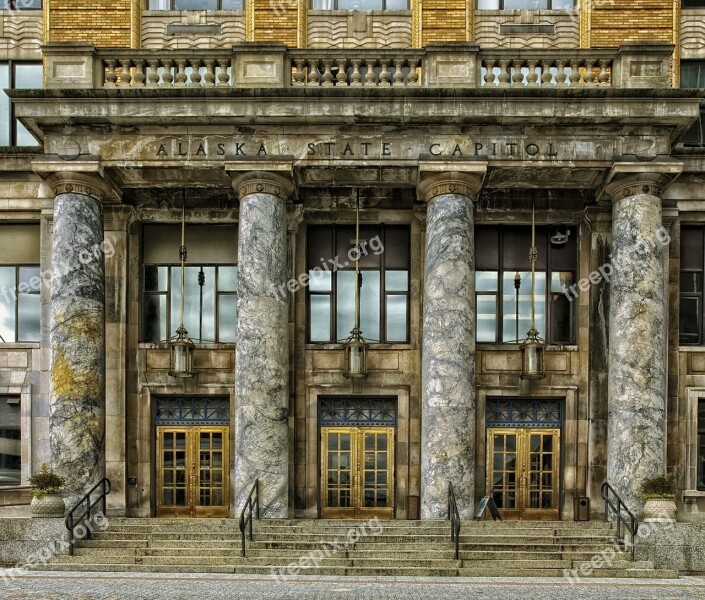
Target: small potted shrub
{"x": 659, "y": 495}
{"x": 47, "y": 501}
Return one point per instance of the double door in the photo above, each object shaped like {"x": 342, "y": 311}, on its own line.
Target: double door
{"x": 523, "y": 467}
{"x": 192, "y": 471}
{"x": 357, "y": 472}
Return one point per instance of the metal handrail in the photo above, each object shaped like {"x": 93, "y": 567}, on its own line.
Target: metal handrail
{"x": 632, "y": 526}
{"x": 248, "y": 508}
{"x": 72, "y": 522}
{"x": 454, "y": 517}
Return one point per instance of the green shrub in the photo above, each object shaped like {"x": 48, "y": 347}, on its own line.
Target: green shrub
{"x": 659, "y": 487}
{"x": 46, "y": 482}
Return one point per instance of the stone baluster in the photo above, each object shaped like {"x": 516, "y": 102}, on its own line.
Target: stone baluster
{"x": 195, "y": 77}
{"x": 560, "y": 73}
{"x": 77, "y": 333}
{"x": 384, "y": 75}
{"x": 262, "y": 350}
{"x": 532, "y": 77}
{"x": 355, "y": 76}
{"x": 370, "y": 75}
{"x": 153, "y": 74}
{"x": 314, "y": 76}
{"x": 125, "y": 75}
{"x": 504, "y": 73}
{"x": 110, "y": 75}
{"x": 341, "y": 77}
{"x": 209, "y": 76}
{"x": 398, "y": 76}
{"x": 167, "y": 74}
{"x": 637, "y": 336}
{"x": 589, "y": 76}
{"x": 413, "y": 73}
{"x": 138, "y": 78}
{"x": 604, "y": 76}
{"x": 327, "y": 78}
{"x": 299, "y": 74}
{"x": 490, "y": 77}
{"x": 517, "y": 75}
{"x": 448, "y": 344}
{"x": 574, "y": 76}
{"x": 223, "y": 76}
{"x": 546, "y": 75}
{"x": 181, "y": 73}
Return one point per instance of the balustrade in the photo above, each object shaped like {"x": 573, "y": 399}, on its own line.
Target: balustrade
{"x": 499, "y": 69}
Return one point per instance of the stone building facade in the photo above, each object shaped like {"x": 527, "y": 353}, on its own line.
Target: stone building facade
{"x": 450, "y": 126}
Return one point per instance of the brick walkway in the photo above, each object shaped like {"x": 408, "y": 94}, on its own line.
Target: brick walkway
{"x": 142, "y": 586}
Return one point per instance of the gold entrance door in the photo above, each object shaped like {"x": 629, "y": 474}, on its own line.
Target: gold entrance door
{"x": 357, "y": 472}
{"x": 192, "y": 471}
{"x": 523, "y": 467}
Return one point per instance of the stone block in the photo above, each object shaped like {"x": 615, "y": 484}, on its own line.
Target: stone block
{"x": 259, "y": 66}
{"x": 451, "y": 65}
{"x": 642, "y": 65}
{"x": 70, "y": 65}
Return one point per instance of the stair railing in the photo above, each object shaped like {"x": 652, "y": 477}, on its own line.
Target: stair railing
{"x": 454, "y": 517}
{"x": 72, "y": 520}
{"x": 625, "y": 517}
{"x": 247, "y": 509}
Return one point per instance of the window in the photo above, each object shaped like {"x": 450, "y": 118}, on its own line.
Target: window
{"x": 20, "y": 283}
{"x": 360, "y": 5}
{"x": 701, "y": 444}
{"x": 693, "y": 4}
{"x": 524, "y": 4}
{"x": 693, "y": 73}
{"x": 22, "y": 5}
{"x": 210, "y": 283}
{"x": 503, "y": 310}
{"x": 17, "y": 75}
{"x": 10, "y": 458}
{"x": 691, "y": 280}
{"x": 195, "y": 4}
{"x": 384, "y": 294}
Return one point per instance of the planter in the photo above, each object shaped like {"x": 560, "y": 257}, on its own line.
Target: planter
{"x": 49, "y": 506}
{"x": 660, "y": 510}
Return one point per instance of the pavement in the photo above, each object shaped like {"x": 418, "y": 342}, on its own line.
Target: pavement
{"x": 174, "y": 586}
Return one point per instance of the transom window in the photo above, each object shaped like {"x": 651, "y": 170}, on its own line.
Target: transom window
{"x": 17, "y": 75}
{"x": 524, "y": 4}
{"x": 10, "y": 441}
{"x": 360, "y": 5}
{"x": 384, "y": 294}
{"x": 210, "y": 283}
{"x": 20, "y": 283}
{"x": 503, "y": 309}
{"x": 195, "y": 4}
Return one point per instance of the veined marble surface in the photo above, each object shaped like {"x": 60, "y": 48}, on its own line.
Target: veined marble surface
{"x": 77, "y": 339}
{"x": 637, "y": 367}
{"x": 261, "y": 356}
{"x": 448, "y": 363}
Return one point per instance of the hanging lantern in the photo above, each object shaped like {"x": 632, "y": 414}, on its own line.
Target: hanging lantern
{"x": 180, "y": 346}
{"x": 355, "y": 346}
{"x": 533, "y": 347}
{"x": 355, "y": 356}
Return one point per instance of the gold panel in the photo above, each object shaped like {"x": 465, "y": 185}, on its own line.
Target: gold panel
{"x": 557, "y": 361}
{"x": 19, "y": 244}
{"x": 501, "y": 361}
{"x": 696, "y": 363}
{"x": 523, "y": 467}
{"x": 383, "y": 361}
{"x": 192, "y": 471}
{"x": 357, "y": 472}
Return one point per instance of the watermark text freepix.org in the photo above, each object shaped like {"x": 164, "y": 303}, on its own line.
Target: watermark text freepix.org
{"x": 328, "y": 265}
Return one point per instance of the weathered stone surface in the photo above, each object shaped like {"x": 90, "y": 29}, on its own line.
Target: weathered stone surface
{"x": 448, "y": 362}
{"x": 637, "y": 374}
{"x": 77, "y": 339}
{"x": 261, "y": 356}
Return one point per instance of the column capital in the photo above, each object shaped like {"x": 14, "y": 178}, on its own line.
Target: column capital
{"x": 436, "y": 179}
{"x": 633, "y": 179}
{"x": 80, "y": 177}
{"x": 264, "y": 182}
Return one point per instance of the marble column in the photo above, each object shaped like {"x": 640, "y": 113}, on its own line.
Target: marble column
{"x": 262, "y": 349}
{"x": 77, "y": 334}
{"x": 448, "y": 345}
{"x": 637, "y": 339}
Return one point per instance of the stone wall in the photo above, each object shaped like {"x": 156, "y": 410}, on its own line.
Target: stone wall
{"x": 22, "y": 538}
{"x": 20, "y": 34}
{"x": 693, "y": 33}
{"x": 192, "y": 29}
{"x": 679, "y": 546}
{"x": 359, "y": 29}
